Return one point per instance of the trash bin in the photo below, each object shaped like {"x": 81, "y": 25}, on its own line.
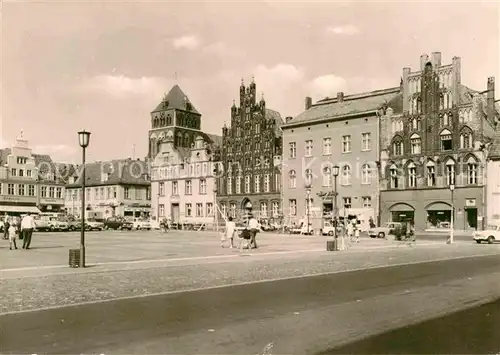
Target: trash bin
{"x": 74, "y": 258}
{"x": 331, "y": 245}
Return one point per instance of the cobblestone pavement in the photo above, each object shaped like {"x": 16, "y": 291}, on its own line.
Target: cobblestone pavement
{"x": 51, "y": 249}
{"x": 30, "y": 293}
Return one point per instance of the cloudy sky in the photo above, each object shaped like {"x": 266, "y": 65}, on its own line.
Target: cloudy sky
{"x": 104, "y": 66}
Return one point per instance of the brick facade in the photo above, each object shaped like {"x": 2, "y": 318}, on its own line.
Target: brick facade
{"x": 440, "y": 134}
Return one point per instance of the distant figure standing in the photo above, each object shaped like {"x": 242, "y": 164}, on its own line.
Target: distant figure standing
{"x": 12, "y": 236}
{"x": 372, "y": 224}
{"x": 350, "y": 229}
{"x": 6, "y": 225}
{"x": 253, "y": 225}
{"x": 357, "y": 232}
{"x": 27, "y": 226}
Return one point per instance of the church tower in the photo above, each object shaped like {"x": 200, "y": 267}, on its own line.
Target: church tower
{"x": 175, "y": 116}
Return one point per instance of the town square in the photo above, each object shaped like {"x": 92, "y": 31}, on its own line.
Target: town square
{"x": 250, "y": 177}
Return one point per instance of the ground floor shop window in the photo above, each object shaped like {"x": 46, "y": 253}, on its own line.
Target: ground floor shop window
{"x": 439, "y": 219}
{"x": 403, "y": 216}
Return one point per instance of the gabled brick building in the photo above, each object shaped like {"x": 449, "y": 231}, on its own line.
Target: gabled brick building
{"x": 437, "y": 136}
{"x": 250, "y": 156}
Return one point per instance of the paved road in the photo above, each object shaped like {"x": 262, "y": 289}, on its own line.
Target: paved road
{"x": 472, "y": 331}
{"x": 301, "y": 315}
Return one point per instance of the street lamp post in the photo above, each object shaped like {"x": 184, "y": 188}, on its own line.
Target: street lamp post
{"x": 307, "y": 185}
{"x": 83, "y": 137}
{"x": 335, "y": 173}
{"x": 452, "y": 219}
{"x": 215, "y": 211}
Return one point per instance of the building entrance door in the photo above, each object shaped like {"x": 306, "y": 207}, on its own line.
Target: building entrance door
{"x": 471, "y": 220}
{"x": 175, "y": 213}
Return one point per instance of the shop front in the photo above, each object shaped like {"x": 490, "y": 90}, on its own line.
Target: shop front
{"x": 438, "y": 215}
{"x": 18, "y": 205}
{"x": 51, "y": 205}
{"x": 402, "y": 212}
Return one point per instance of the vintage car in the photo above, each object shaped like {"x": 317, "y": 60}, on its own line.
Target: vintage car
{"x": 390, "y": 228}
{"x": 118, "y": 223}
{"x": 141, "y": 224}
{"x": 490, "y": 234}
{"x": 56, "y": 224}
{"x": 92, "y": 225}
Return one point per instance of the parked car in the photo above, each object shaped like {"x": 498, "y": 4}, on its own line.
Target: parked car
{"x": 56, "y": 224}
{"x": 74, "y": 224}
{"x": 141, "y": 224}
{"x": 390, "y": 228}
{"x": 118, "y": 223}
{"x": 92, "y": 224}
{"x": 41, "y": 224}
{"x": 490, "y": 234}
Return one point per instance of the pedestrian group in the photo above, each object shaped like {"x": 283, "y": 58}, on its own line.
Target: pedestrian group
{"x": 16, "y": 228}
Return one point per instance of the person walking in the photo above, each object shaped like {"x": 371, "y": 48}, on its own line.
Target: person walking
{"x": 229, "y": 232}
{"x": 27, "y": 226}
{"x": 253, "y": 225}
{"x": 350, "y": 230}
{"x": 12, "y": 236}
{"x": 357, "y": 231}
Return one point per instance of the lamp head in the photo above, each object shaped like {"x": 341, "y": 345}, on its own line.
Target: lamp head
{"x": 84, "y": 138}
{"x": 335, "y": 170}
{"x": 452, "y": 187}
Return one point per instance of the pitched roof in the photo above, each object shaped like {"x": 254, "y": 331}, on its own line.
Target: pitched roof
{"x": 176, "y": 99}
{"x": 278, "y": 120}
{"x": 351, "y": 104}
{"x": 121, "y": 172}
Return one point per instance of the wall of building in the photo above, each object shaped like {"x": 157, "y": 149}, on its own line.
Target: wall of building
{"x": 419, "y": 202}
{"x": 356, "y": 190}
{"x": 493, "y": 191}
{"x": 110, "y": 200}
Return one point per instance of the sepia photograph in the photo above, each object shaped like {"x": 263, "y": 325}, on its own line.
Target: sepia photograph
{"x": 249, "y": 177}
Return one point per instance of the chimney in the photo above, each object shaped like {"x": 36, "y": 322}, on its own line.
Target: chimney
{"x": 424, "y": 58}
{"x": 406, "y": 74}
{"x": 340, "y": 97}
{"x": 289, "y": 118}
{"x": 308, "y": 103}
{"x": 490, "y": 99}
{"x": 436, "y": 59}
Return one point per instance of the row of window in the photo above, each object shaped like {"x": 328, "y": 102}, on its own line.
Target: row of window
{"x": 415, "y": 83}
{"x": 188, "y": 187}
{"x": 107, "y": 193}
{"x": 20, "y": 172}
{"x": 263, "y": 211}
{"x": 265, "y": 180}
{"x": 445, "y": 102}
{"x": 346, "y": 203}
{"x": 192, "y": 170}
{"x": 446, "y": 142}
{"x": 29, "y": 190}
{"x": 471, "y": 173}
{"x": 346, "y": 145}
{"x": 367, "y": 174}
{"x": 199, "y": 211}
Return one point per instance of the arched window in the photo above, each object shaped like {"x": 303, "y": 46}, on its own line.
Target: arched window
{"x": 393, "y": 171}
{"x": 169, "y": 120}
{"x": 445, "y": 100}
{"x": 450, "y": 172}
{"x": 366, "y": 174}
{"x": 446, "y": 140}
{"x": 412, "y": 175}
{"x": 471, "y": 171}
{"x": 446, "y": 119}
{"x": 292, "y": 175}
{"x": 398, "y": 146}
{"x": 416, "y": 144}
{"x": 346, "y": 175}
{"x": 441, "y": 101}
{"x": 327, "y": 177}
{"x": 419, "y": 105}
{"x": 466, "y": 139}
{"x": 431, "y": 173}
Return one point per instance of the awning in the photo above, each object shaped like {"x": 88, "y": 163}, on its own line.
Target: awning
{"x": 20, "y": 209}
{"x": 401, "y": 207}
{"x": 439, "y": 206}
